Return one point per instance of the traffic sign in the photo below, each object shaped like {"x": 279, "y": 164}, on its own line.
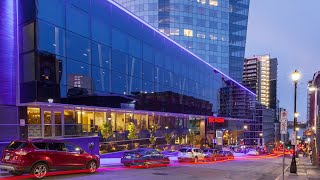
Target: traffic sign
{"x": 283, "y": 127}
{"x": 283, "y": 115}
{"x": 294, "y": 138}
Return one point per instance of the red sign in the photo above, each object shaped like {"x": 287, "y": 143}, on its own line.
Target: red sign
{"x": 216, "y": 120}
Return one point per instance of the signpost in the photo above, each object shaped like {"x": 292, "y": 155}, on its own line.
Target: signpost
{"x": 283, "y": 131}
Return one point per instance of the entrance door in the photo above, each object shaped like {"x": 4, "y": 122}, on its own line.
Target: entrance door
{"x": 52, "y": 122}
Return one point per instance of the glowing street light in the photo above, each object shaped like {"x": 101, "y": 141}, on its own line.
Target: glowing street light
{"x": 245, "y": 127}
{"x": 295, "y": 76}
{"x": 312, "y": 88}
{"x": 297, "y": 128}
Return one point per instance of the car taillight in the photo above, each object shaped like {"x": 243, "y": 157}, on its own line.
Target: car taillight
{"x": 138, "y": 155}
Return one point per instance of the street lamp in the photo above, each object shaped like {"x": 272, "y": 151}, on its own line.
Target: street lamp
{"x": 297, "y": 128}
{"x": 245, "y": 127}
{"x": 295, "y": 77}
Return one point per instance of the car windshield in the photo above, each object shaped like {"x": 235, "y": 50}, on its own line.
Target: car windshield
{"x": 185, "y": 150}
{"x": 16, "y": 145}
{"x": 205, "y": 151}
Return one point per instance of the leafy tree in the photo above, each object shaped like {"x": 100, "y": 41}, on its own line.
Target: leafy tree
{"x": 191, "y": 138}
{"x": 168, "y": 137}
{"x": 153, "y": 129}
{"x": 106, "y": 129}
{"x": 133, "y": 134}
{"x": 152, "y": 139}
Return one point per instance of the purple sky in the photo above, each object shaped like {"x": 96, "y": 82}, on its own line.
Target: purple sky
{"x": 290, "y": 31}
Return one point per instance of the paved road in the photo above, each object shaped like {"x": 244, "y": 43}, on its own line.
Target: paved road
{"x": 240, "y": 169}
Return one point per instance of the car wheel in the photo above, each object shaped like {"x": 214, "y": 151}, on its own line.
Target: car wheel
{"x": 196, "y": 160}
{"x": 15, "y": 173}
{"x": 92, "y": 167}
{"x": 39, "y": 170}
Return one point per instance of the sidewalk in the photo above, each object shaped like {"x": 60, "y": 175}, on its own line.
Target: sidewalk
{"x": 305, "y": 171}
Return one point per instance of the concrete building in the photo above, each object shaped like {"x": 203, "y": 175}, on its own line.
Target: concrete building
{"x": 260, "y": 130}
{"x": 313, "y": 109}
{"x": 260, "y": 75}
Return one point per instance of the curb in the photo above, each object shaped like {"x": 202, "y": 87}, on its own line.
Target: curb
{"x": 285, "y": 170}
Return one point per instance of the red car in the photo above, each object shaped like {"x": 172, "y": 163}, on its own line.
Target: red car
{"x": 38, "y": 157}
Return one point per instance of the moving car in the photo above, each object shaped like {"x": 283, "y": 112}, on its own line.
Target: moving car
{"x": 144, "y": 157}
{"x": 253, "y": 152}
{"x": 38, "y": 157}
{"x": 226, "y": 155}
{"x": 212, "y": 155}
{"x": 191, "y": 154}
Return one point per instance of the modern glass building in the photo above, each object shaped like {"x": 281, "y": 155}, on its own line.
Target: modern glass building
{"x": 215, "y": 30}
{"x": 68, "y": 66}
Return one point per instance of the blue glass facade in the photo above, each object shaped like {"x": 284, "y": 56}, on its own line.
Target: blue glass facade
{"x": 101, "y": 56}
{"x": 215, "y": 30}
{"x": 85, "y": 62}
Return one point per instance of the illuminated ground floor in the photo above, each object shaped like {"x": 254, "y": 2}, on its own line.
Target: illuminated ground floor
{"x": 52, "y": 120}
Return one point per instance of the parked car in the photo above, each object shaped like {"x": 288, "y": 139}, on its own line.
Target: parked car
{"x": 226, "y": 155}
{"x": 191, "y": 154}
{"x": 253, "y": 152}
{"x": 38, "y": 157}
{"x": 145, "y": 157}
{"x": 212, "y": 155}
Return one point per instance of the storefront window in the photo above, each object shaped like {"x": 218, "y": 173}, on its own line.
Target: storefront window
{"x": 87, "y": 122}
{"x": 100, "y": 118}
{"x": 120, "y": 120}
{"x": 142, "y": 121}
{"x": 34, "y": 122}
{"x": 72, "y": 122}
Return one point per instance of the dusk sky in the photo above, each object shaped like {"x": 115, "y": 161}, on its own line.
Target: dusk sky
{"x": 290, "y": 31}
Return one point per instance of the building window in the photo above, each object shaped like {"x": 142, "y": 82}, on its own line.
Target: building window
{"x": 174, "y": 31}
{"x": 188, "y": 32}
{"x": 201, "y": 35}
{"x": 213, "y": 37}
{"x": 201, "y": 1}
{"x": 213, "y": 2}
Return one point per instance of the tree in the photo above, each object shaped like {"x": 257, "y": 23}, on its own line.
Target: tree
{"x": 154, "y": 128}
{"x": 106, "y": 129}
{"x": 133, "y": 134}
{"x": 152, "y": 131}
{"x": 152, "y": 139}
{"x": 191, "y": 138}
{"x": 168, "y": 137}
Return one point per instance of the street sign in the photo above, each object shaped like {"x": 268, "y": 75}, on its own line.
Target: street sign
{"x": 284, "y": 115}
{"x": 283, "y": 127}
{"x": 294, "y": 138}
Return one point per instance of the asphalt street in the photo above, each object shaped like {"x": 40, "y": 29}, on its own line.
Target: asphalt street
{"x": 239, "y": 169}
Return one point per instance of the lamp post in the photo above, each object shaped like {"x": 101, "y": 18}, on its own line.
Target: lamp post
{"x": 315, "y": 124}
{"x": 295, "y": 77}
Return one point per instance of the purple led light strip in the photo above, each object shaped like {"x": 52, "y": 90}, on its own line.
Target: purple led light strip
{"x": 145, "y": 23}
